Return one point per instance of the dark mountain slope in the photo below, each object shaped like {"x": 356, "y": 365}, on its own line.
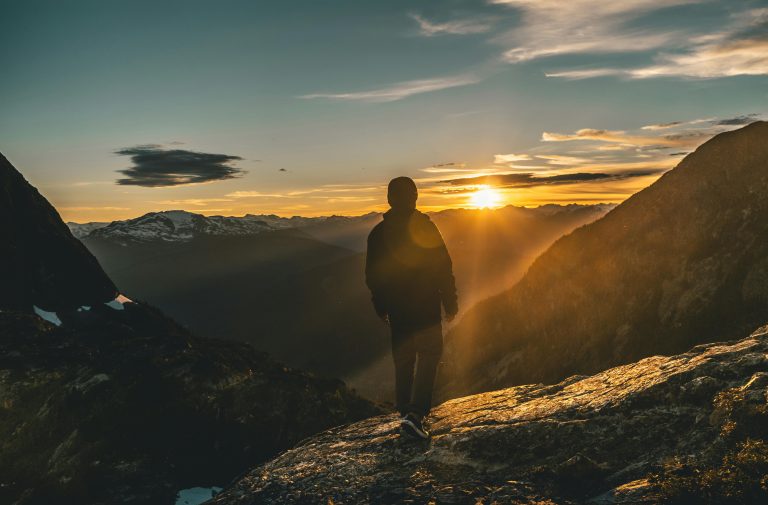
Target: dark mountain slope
{"x": 119, "y": 404}
{"x": 41, "y": 263}
{"x": 681, "y": 262}
{"x": 250, "y": 288}
{"x": 686, "y": 429}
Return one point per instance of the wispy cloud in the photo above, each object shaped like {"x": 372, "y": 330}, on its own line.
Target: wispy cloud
{"x": 400, "y": 90}
{"x": 457, "y": 27}
{"x": 85, "y": 209}
{"x": 622, "y": 137}
{"x": 155, "y": 166}
{"x": 196, "y": 202}
{"x": 554, "y": 27}
{"x": 738, "y": 120}
{"x": 740, "y": 49}
{"x": 500, "y": 159}
{"x": 524, "y": 180}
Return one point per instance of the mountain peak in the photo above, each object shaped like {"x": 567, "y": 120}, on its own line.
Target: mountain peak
{"x": 41, "y": 263}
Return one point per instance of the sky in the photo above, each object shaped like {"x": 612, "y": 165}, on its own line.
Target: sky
{"x": 118, "y": 108}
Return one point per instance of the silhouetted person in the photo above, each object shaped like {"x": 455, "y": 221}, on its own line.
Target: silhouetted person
{"x": 408, "y": 271}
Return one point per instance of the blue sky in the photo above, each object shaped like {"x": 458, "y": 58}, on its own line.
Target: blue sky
{"x": 116, "y": 108}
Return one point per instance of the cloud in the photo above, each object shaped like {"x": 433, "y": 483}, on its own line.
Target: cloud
{"x": 529, "y": 180}
{"x": 621, "y": 137}
{"x": 740, "y": 49}
{"x": 197, "y": 202}
{"x": 400, "y": 90}
{"x": 661, "y": 126}
{"x": 585, "y": 73}
{"x": 728, "y": 59}
{"x": 738, "y": 120}
{"x": 559, "y": 159}
{"x": 553, "y": 27}
{"x": 499, "y": 159}
{"x": 254, "y": 194}
{"x": 154, "y": 166}
{"x": 82, "y": 209}
{"x": 458, "y": 27}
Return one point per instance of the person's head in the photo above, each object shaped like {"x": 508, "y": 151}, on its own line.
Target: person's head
{"x": 402, "y": 193}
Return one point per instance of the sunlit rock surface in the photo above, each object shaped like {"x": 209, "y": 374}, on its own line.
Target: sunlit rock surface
{"x": 594, "y": 439}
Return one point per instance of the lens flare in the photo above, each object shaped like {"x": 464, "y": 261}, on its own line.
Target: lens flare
{"x": 485, "y": 198}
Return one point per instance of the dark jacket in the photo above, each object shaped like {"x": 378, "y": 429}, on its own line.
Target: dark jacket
{"x": 408, "y": 270}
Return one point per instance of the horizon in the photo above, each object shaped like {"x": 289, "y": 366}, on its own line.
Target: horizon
{"x": 309, "y": 109}
{"x": 475, "y": 209}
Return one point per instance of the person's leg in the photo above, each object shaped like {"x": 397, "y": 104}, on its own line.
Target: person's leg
{"x": 404, "y": 355}
{"x": 429, "y": 347}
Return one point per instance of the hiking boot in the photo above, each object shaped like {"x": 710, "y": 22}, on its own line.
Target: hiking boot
{"x": 411, "y": 424}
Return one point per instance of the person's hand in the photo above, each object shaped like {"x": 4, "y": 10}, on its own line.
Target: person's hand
{"x": 384, "y": 317}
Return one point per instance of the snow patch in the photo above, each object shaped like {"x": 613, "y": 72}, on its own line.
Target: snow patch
{"x": 119, "y": 302}
{"x": 51, "y": 317}
{"x": 93, "y": 381}
{"x": 196, "y": 495}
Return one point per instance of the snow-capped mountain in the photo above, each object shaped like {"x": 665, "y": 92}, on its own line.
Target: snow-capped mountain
{"x": 80, "y": 230}
{"x": 178, "y": 226}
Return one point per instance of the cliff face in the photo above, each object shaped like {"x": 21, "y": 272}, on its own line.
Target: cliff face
{"x": 683, "y": 262}
{"x": 609, "y": 438}
{"x": 41, "y": 262}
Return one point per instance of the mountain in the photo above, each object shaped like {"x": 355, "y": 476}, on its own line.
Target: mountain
{"x": 41, "y": 263}
{"x": 686, "y": 429}
{"x": 112, "y": 401}
{"x": 182, "y": 226}
{"x": 297, "y": 290}
{"x": 81, "y": 230}
{"x": 682, "y": 262}
{"x": 177, "y": 226}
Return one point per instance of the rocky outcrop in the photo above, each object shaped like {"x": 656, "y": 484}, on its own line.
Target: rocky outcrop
{"x": 41, "y": 263}
{"x": 682, "y": 262}
{"x": 604, "y": 439}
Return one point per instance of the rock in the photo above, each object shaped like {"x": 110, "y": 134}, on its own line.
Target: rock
{"x": 127, "y": 407}
{"x": 595, "y": 439}
{"x": 41, "y": 262}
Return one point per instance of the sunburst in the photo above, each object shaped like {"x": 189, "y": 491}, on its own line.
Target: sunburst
{"x": 485, "y": 198}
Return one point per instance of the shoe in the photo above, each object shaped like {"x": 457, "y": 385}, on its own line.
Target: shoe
{"x": 411, "y": 424}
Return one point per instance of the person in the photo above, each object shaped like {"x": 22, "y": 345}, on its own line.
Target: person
{"x": 409, "y": 273}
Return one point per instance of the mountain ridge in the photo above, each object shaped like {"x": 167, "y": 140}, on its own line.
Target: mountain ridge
{"x": 675, "y": 264}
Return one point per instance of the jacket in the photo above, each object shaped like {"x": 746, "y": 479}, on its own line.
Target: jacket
{"x": 409, "y": 271}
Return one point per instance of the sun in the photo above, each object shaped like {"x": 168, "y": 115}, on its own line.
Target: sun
{"x": 485, "y": 198}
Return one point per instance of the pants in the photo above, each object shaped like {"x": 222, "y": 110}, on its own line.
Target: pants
{"x": 414, "y": 393}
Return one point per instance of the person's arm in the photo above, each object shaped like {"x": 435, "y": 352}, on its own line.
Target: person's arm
{"x": 445, "y": 281}
{"x": 374, "y": 278}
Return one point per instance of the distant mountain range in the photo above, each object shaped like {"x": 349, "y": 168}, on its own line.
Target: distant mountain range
{"x": 682, "y": 262}
{"x": 294, "y": 287}
{"x": 182, "y": 226}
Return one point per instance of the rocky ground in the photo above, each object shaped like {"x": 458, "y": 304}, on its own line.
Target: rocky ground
{"x": 125, "y": 406}
{"x": 689, "y": 428}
